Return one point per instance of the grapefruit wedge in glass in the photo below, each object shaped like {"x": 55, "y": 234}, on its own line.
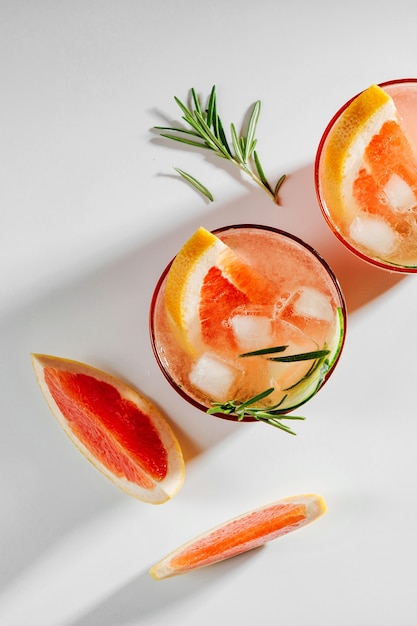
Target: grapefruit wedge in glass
{"x": 206, "y": 282}
{"x": 240, "y": 534}
{"x": 247, "y": 323}
{"x": 366, "y": 175}
{"x": 117, "y": 429}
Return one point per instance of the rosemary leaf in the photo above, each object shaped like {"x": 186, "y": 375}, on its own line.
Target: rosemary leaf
{"x": 264, "y": 351}
{"x": 186, "y": 131}
{"x": 288, "y": 416}
{"x": 277, "y": 423}
{"x": 303, "y": 356}
{"x": 279, "y": 185}
{"x": 217, "y": 129}
{"x": 189, "y": 142}
{"x": 252, "y": 124}
{"x": 255, "y": 399}
{"x": 222, "y": 136}
{"x": 236, "y": 144}
{"x": 187, "y": 113}
{"x": 195, "y": 183}
{"x": 196, "y": 100}
{"x": 260, "y": 171}
{"x": 211, "y": 107}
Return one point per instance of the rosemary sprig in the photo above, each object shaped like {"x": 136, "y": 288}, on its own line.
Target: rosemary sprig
{"x": 273, "y": 415}
{"x": 269, "y": 415}
{"x": 205, "y": 130}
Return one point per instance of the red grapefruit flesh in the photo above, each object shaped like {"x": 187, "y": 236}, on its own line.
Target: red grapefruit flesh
{"x": 241, "y": 534}
{"x": 120, "y": 431}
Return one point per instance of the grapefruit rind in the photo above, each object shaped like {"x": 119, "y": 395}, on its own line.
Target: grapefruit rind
{"x": 159, "y": 491}
{"x": 184, "y": 279}
{"x": 343, "y": 156}
{"x": 202, "y": 252}
{"x": 240, "y": 534}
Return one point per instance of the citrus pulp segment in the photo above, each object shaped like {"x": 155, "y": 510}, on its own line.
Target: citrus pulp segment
{"x": 116, "y": 428}
{"x": 240, "y": 534}
{"x": 367, "y": 179}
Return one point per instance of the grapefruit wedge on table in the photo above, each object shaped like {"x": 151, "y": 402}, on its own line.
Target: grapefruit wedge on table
{"x": 368, "y": 174}
{"x": 116, "y": 428}
{"x": 243, "y": 533}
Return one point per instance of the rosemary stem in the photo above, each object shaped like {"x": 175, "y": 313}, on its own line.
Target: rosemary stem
{"x": 257, "y": 180}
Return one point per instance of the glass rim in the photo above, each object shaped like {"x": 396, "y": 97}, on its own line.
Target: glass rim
{"x": 399, "y": 269}
{"x": 174, "y": 384}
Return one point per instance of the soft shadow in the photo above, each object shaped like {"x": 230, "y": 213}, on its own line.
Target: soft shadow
{"x": 100, "y": 316}
{"x": 143, "y": 595}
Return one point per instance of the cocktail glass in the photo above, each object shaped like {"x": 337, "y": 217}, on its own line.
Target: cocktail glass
{"x": 387, "y": 243}
{"x": 307, "y": 316}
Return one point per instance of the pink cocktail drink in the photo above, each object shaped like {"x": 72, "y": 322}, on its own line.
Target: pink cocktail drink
{"x": 366, "y": 175}
{"x": 283, "y": 336}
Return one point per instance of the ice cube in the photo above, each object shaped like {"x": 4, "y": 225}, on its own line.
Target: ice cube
{"x": 373, "y": 233}
{"x": 252, "y": 331}
{"x": 214, "y": 377}
{"x": 310, "y": 311}
{"x": 310, "y": 302}
{"x": 399, "y": 194}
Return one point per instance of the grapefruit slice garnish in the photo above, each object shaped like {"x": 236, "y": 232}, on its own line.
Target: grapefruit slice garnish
{"x": 240, "y": 534}
{"x": 206, "y": 282}
{"x": 116, "y": 428}
{"x": 368, "y": 174}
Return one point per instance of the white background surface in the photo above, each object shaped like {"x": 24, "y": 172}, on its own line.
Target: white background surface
{"x": 91, "y": 212}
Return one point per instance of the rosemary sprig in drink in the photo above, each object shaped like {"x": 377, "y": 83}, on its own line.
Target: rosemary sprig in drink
{"x": 273, "y": 415}
{"x": 206, "y": 130}
{"x": 269, "y": 415}
{"x": 290, "y": 358}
